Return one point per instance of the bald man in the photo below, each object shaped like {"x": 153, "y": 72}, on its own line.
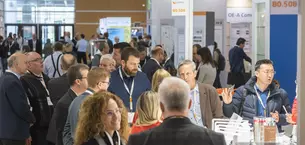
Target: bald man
{"x": 154, "y": 63}
{"x": 59, "y": 86}
{"x": 34, "y": 82}
{"x": 15, "y": 113}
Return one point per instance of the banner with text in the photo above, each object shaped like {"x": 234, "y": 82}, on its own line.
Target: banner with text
{"x": 284, "y": 7}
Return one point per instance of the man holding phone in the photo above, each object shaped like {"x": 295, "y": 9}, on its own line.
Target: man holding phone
{"x": 258, "y": 97}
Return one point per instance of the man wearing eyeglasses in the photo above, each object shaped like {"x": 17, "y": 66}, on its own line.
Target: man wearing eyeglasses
{"x": 98, "y": 80}
{"x": 34, "y": 82}
{"x": 258, "y": 97}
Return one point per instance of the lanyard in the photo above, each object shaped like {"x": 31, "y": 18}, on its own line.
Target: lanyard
{"x": 195, "y": 116}
{"x": 129, "y": 91}
{"x": 259, "y": 97}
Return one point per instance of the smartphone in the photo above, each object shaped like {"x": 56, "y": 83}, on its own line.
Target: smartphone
{"x": 231, "y": 89}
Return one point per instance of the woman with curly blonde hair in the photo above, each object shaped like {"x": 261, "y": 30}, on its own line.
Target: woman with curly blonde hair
{"x": 102, "y": 120}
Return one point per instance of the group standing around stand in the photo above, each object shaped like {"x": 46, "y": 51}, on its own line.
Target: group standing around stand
{"x": 54, "y": 99}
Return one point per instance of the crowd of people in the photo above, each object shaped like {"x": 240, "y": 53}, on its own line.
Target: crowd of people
{"x": 130, "y": 93}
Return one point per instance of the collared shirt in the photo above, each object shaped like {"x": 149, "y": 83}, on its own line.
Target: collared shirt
{"x": 17, "y": 75}
{"x": 264, "y": 96}
{"x": 195, "y": 111}
{"x": 48, "y": 67}
{"x": 82, "y": 45}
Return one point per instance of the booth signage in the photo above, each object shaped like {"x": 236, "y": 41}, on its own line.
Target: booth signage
{"x": 179, "y": 7}
{"x": 239, "y": 15}
{"x": 284, "y": 6}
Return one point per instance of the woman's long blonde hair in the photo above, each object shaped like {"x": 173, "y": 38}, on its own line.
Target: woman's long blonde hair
{"x": 148, "y": 108}
{"x": 91, "y": 114}
{"x": 158, "y": 78}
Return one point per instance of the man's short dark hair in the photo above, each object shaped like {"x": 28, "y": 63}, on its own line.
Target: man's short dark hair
{"x": 240, "y": 41}
{"x": 82, "y": 36}
{"x": 121, "y": 45}
{"x": 263, "y": 61}
{"x": 74, "y": 73}
{"x": 58, "y": 46}
{"x": 142, "y": 48}
{"x": 129, "y": 51}
{"x": 143, "y": 43}
{"x": 148, "y": 37}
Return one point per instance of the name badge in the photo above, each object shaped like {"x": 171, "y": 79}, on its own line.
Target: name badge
{"x": 130, "y": 117}
{"x": 34, "y": 49}
{"x": 49, "y": 101}
{"x": 8, "y": 53}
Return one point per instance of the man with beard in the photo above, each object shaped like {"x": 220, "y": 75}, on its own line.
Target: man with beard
{"x": 127, "y": 82}
{"x": 153, "y": 64}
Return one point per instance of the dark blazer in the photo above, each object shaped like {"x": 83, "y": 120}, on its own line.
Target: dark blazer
{"x": 177, "y": 131}
{"x": 61, "y": 113}
{"x": 15, "y": 112}
{"x": 37, "y": 95}
{"x": 58, "y": 87}
{"x": 12, "y": 49}
{"x": 150, "y": 68}
{"x": 38, "y": 45}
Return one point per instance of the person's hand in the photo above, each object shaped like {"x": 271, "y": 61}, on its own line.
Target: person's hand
{"x": 227, "y": 96}
{"x": 289, "y": 119}
{"x": 275, "y": 116}
{"x": 28, "y": 141}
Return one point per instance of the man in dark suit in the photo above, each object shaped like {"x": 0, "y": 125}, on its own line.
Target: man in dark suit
{"x": 177, "y": 128}
{"x": 9, "y": 47}
{"x": 77, "y": 79}
{"x": 154, "y": 63}
{"x": 59, "y": 86}
{"x": 35, "y": 44}
{"x": 15, "y": 113}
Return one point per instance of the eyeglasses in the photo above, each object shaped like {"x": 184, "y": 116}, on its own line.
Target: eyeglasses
{"x": 108, "y": 83}
{"x": 111, "y": 113}
{"x": 269, "y": 72}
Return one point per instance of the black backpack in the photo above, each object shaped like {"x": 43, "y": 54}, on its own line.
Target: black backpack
{"x": 221, "y": 61}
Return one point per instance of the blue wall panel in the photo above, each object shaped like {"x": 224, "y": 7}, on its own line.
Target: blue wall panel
{"x": 283, "y": 50}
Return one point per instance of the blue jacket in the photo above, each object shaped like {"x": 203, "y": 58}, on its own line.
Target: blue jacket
{"x": 15, "y": 113}
{"x": 277, "y": 99}
{"x": 236, "y": 58}
{"x": 141, "y": 84}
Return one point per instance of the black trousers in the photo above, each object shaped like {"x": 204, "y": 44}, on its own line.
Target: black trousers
{"x": 217, "y": 83}
{"x": 4, "y": 64}
{"x": 39, "y": 136}
{"x": 12, "y": 142}
{"x": 236, "y": 79}
{"x": 80, "y": 56}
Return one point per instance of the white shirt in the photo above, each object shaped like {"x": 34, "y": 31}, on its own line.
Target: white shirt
{"x": 48, "y": 67}
{"x": 82, "y": 45}
{"x": 195, "y": 111}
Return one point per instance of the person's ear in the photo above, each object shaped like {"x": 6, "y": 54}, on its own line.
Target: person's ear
{"x": 256, "y": 73}
{"x": 195, "y": 74}
{"x": 162, "y": 107}
{"x": 123, "y": 63}
{"x": 190, "y": 104}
